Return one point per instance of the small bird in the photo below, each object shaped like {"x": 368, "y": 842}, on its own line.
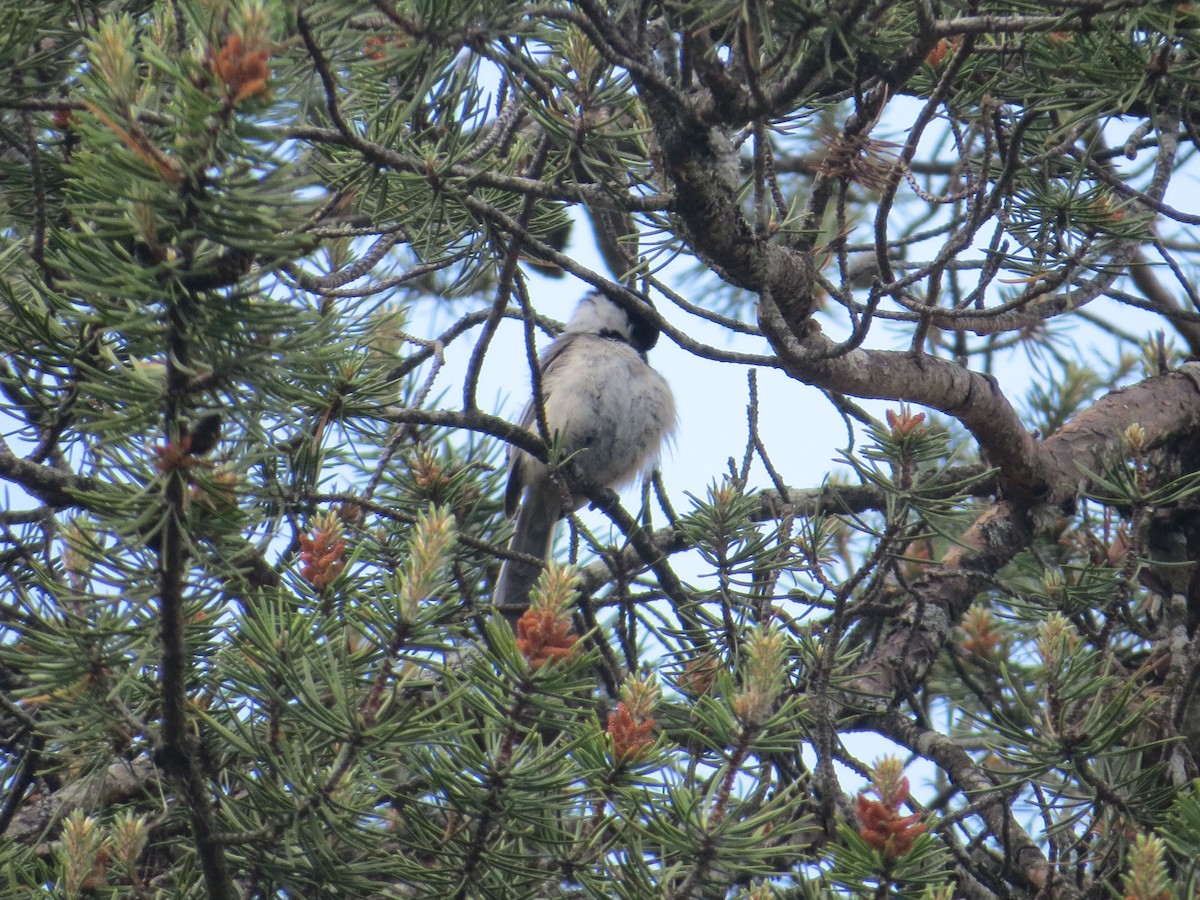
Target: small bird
{"x": 610, "y": 413}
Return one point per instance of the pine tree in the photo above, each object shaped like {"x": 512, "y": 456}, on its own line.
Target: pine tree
{"x": 250, "y": 530}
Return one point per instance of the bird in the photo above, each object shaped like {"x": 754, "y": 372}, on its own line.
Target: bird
{"x": 609, "y": 412}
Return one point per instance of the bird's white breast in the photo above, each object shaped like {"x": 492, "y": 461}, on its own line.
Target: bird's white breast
{"x": 611, "y": 410}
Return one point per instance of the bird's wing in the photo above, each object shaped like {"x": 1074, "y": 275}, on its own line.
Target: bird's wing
{"x": 549, "y": 360}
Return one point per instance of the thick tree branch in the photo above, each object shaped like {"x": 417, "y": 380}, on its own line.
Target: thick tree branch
{"x": 973, "y": 399}
{"x": 1166, "y": 406}
{"x": 703, "y": 167}
{"x": 53, "y": 487}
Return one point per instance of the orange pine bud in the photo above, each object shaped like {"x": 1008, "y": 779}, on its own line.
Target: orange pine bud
{"x": 880, "y": 822}
{"x": 322, "y": 554}
{"x": 241, "y": 69}
{"x": 903, "y": 423}
{"x": 981, "y": 637}
{"x": 630, "y": 736}
{"x": 543, "y": 634}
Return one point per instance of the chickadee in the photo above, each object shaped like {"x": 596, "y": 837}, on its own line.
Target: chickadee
{"x": 610, "y": 412}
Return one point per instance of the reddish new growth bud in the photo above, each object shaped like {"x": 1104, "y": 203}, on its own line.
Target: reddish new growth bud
{"x": 371, "y": 47}
{"x": 943, "y": 47}
{"x": 630, "y": 735}
{"x": 63, "y": 119}
{"x": 880, "y": 822}
{"x": 322, "y": 554}
{"x": 377, "y": 46}
{"x": 935, "y": 56}
{"x": 177, "y": 455}
{"x": 981, "y": 637}
{"x": 903, "y": 423}
{"x": 543, "y": 634}
{"x": 193, "y": 443}
{"x": 240, "y": 68}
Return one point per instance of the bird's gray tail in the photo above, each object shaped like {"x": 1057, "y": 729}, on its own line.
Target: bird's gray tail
{"x": 540, "y": 510}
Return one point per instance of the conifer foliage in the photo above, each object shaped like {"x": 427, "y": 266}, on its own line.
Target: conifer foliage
{"x": 250, "y": 528}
